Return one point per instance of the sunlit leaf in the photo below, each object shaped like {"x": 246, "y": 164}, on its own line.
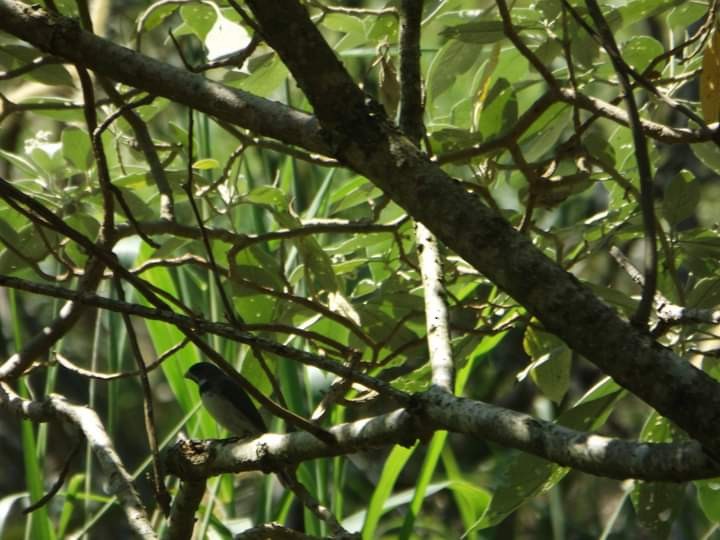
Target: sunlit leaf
{"x": 205, "y": 164}
{"x": 710, "y": 81}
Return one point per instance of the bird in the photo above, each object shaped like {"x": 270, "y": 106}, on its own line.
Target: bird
{"x": 231, "y": 407}
{"x": 226, "y": 401}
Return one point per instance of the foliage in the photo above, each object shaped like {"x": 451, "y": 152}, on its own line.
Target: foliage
{"x": 304, "y": 252}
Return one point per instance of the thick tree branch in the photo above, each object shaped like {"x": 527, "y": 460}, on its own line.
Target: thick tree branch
{"x": 63, "y": 35}
{"x": 181, "y": 520}
{"x": 436, "y": 309}
{"x": 435, "y": 410}
{"x": 361, "y": 137}
{"x": 370, "y": 144}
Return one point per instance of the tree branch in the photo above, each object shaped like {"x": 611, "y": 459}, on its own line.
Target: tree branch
{"x": 360, "y": 135}
{"x": 641, "y": 316}
{"x": 436, "y": 410}
{"x": 69, "y": 41}
{"x": 428, "y": 249}
{"x": 199, "y": 326}
{"x": 181, "y": 520}
{"x": 57, "y": 409}
{"x": 370, "y": 144}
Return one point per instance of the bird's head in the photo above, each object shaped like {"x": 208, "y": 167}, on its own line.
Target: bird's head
{"x": 204, "y": 372}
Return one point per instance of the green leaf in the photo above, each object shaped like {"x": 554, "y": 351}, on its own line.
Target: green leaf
{"x": 383, "y": 28}
{"x": 267, "y": 73}
{"x": 57, "y": 108}
{"x": 451, "y": 61}
{"x": 72, "y": 495}
{"x": 701, "y": 243}
{"x": 205, "y": 164}
{"x": 22, "y": 163}
{"x": 614, "y": 297}
{"x": 52, "y": 75}
{"x": 269, "y": 196}
{"x": 685, "y": 14}
{"x": 139, "y": 207}
{"x": 432, "y": 456}
{"x": 316, "y": 259}
{"x": 708, "y": 494}
{"x": 356, "y": 192}
{"x": 657, "y": 503}
{"x": 639, "y": 51}
{"x": 709, "y": 154}
{"x": 681, "y": 197}
{"x": 394, "y": 465}
{"x": 256, "y": 274}
{"x": 500, "y": 110}
{"x": 638, "y": 10}
{"x": 158, "y": 13}
{"x": 144, "y": 179}
{"x": 147, "y": 112}
{"x": 339, "y": 304}
{"x": 705, "y": 293}
{"x": 28, "y": 242}
{"x": 76, "y": 148}
{"x": 453, "y": 139}
{"x": 199, "y": 17}
{"x": 47, "y": 156}
{"x": 470, "y": 499}
{"x": 479, "y": 32}
{"x": 551, "y": 373}
{"x": 551, "y": 363}
{"x": 352, "y": 27}
{"x": 225, "y": 38}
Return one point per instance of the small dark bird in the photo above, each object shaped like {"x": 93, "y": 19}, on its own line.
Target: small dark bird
{"x": 226, "y": 401}
{"x": 233, "y": 409}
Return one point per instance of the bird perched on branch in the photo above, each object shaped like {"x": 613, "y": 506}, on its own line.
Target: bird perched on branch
{"x": 226, "y": 401}
{"x": 232, "y": 408}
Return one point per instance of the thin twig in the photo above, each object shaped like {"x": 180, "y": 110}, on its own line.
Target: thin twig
{"x": 514, "y": 37}
{"x": 668, "y": 312}
{"x": 42, "y": 501}
{"x": 27, "y": 68}
{"x": 192, "y": 325}
{"x": 642, "y": 315}
{"x": 145, "y": 143}
{"x": 161, "y": 494}
{"x": 108, "y": 223}
{"x": 290, "y": 481}
{"x": 230, "y": 314}
{"x": 97, "y": 133}
{"x": 90, "y": 374}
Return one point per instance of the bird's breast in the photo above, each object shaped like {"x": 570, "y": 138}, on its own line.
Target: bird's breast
{"x": 227, "y": 415}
